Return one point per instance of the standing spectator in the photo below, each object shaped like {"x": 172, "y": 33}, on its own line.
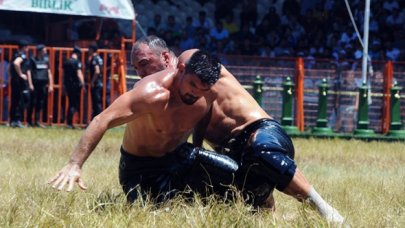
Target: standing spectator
{"x": 94, "y": 65}
{"x": 73, "y": 81}
{"x": 19, "y": 85}
{"x": 40, "y": 82}
{"x": 4, "y": 65}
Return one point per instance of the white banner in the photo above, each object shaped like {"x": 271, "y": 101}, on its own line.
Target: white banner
{"x": 122, "y": 9}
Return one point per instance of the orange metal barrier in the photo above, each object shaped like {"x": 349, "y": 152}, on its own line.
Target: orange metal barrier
{"x": 299, "y": 93}
{"x": 388, "y": 74}
{"x": 343, "y": 87}
{"x": 113, "y": 73}
{"x": 273, "y": 71}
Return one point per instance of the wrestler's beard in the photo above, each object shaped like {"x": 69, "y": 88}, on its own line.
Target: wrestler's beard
{"x": 188, "y": 99}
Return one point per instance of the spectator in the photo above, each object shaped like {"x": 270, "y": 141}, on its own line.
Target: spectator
{"x": 390, "y": 5}
{"x": 202, "y": 22}
{"x": 244, "y": 34}
{"x": 272, "y": 17}
{"x": 40, "y": 82}
{"x": 273, "y": 39}
{"x": 230, "y": 25}
{"x": 188, "y": 28}
{"x": 218, "y": 32}
{"x": 202, "y": 39}
{"x": 151, "y": 31}
{"x": 263, "y": 28}
{"x": 296, "y": 28}
{"x": 186, "y": 42}
{"x": 395, "y": 19}
{"x": 19, "y": 85}
{"x": 96, "y": 79}
{"x": 266, "y": 51}
{"x": 157, "y": 24}
{"x": 347, "y": 36}
{"x": 223, "y": 9}
{"x": 73, "y": 81}
{"x": 248, "y": 15}
{"x": 392, "y": 52}
{"x": 172, "y": 26}
{"x": 374, "y": 50}
{"x": 4, "y": 67}
{"x": 291, "y": 7}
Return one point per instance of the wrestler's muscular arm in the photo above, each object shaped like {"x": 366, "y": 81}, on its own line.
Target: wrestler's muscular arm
{"x": 126, "y": 108}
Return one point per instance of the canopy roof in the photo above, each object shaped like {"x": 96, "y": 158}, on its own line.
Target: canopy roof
{"x": 122, "y": 9}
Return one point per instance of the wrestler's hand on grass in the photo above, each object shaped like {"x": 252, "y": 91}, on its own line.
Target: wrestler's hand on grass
{"x": 67, "y": 176}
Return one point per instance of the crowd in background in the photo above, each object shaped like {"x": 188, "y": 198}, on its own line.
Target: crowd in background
{"x": 312, "y": 29}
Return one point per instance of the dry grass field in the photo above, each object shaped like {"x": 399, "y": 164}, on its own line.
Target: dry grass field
{"x": 365, "y": 181}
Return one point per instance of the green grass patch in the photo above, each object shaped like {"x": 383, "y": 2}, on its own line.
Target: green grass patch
{"x": 365, "y": 181}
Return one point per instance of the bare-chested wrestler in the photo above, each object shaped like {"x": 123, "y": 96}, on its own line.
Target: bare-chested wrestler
{"x": 239, "y": 125}
{"x": 160, "y": 112}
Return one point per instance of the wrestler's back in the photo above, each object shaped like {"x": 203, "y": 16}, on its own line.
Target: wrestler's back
{"x": 233, "y": 109}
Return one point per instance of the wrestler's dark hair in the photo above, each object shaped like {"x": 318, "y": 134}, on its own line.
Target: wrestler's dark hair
{"x": 205, "y": 66}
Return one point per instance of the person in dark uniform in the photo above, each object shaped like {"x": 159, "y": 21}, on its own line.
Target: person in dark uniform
{"x": 40, "y": 82}
{"x": 96, "y": 79}
{"x": 73, "y": 81}
{"x": 19, "y": 85}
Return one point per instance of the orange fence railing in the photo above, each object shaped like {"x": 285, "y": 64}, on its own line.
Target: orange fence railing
{"x": 113, "y": 77}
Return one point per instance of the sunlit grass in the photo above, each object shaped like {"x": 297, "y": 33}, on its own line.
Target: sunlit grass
{"x": 365, "y": 181}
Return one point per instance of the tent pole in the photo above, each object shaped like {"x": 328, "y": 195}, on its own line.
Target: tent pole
{"x": 365, "y": 41}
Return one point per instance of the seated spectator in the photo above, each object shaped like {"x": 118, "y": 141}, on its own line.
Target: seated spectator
{"x": 218, "y": 32}
{"x": 273, "y": 38}
{"x": 247, "y": 48}
{"x": 187, "y": 42}
{"x": 391, "y": 52}
{"x": 272, "y": 17}
{"x": 264, "y": 28}
{"x": 347, "y": 36}
{"x": 248, "y": 14}
{"x": 151, "y": 31}
{"x": 283, "y": 50}
{"x": 172, "y": 26}
{"x": 157, "y": 24}
{"x": 223, "y": 9}
{"x": 296, "y": 28}
{"x": 266, "y": 51}
{"x": 188, "y": 27}
{"x": 390, "y": 5}
{"x": 244, "y": 34}
{"x": 203, "y": 22}
{"x": 395, "y": 19}
{"x": 230, "y": 25}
